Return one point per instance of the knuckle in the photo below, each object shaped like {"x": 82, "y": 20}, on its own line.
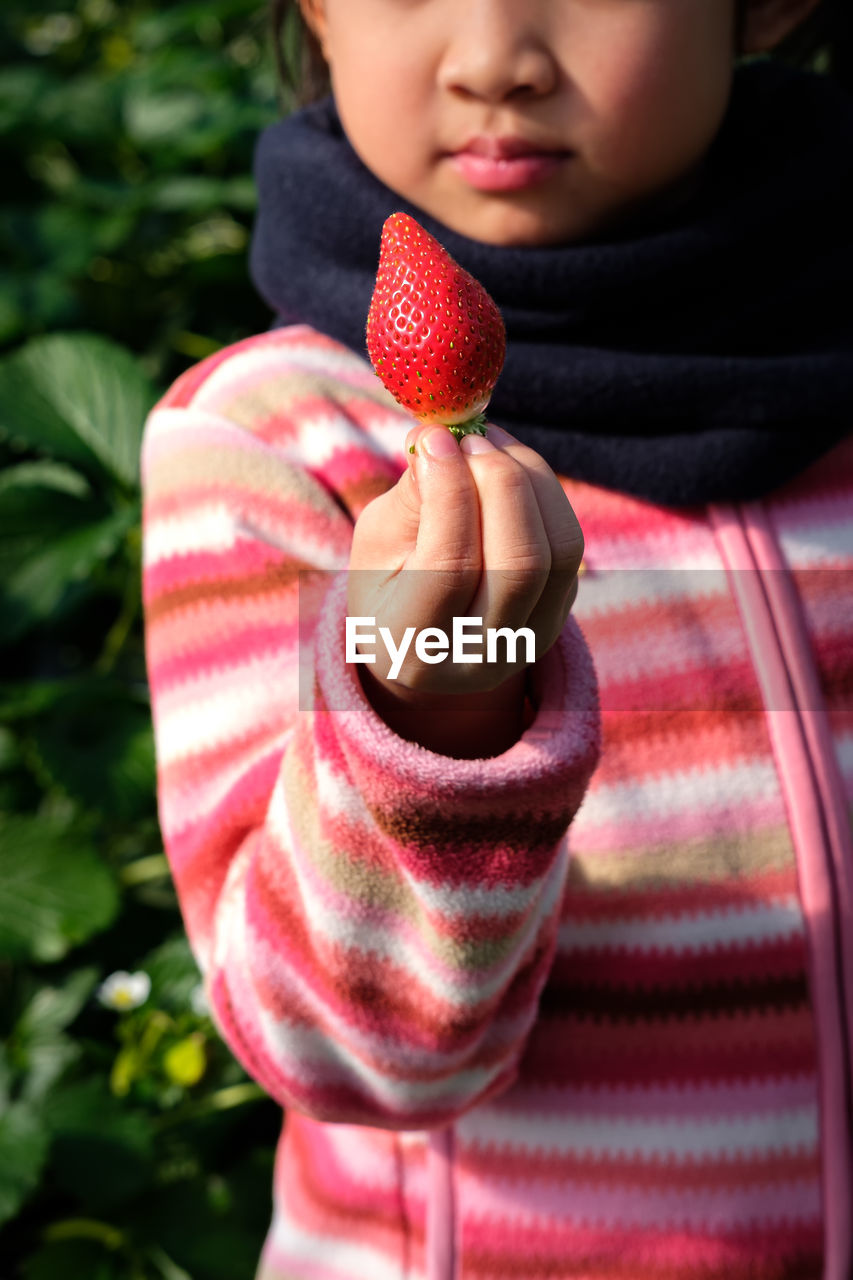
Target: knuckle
{"x": 567, "y": 548}
{"x": 521, "y": 578}
{"x": 502, "y": 469}
{"x": 527, "y": 563}
{"x": 511, "y": 474}
{"x": 451, "y": 568}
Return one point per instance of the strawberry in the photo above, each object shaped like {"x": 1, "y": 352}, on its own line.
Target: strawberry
{"x": 434, "y": 335}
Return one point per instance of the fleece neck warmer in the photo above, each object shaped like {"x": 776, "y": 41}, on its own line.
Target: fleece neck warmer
{"x": 704, "y": 356}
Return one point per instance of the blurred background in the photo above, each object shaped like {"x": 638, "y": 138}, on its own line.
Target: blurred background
{"x": 132, "y": 1146}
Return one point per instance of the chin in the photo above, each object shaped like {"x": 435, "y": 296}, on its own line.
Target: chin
{"x": 505, "y": 226}
{"x": 521, "y": 221}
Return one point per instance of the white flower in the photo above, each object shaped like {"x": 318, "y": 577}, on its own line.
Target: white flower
{"x": 123, "y": 990}
{"x": 199, "y": 1002}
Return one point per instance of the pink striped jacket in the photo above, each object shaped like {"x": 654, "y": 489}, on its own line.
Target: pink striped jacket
{"x": 583, "y": 1009}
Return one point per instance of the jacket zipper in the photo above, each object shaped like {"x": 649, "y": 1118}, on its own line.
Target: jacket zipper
{"x": 813, "y": 792}
{"x": 441, "y": 1209}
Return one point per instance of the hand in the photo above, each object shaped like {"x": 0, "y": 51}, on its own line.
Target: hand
{"x": 482, "y": 530}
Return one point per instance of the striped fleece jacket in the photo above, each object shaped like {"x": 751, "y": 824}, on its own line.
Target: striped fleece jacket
{"x": 581, "y": 1010}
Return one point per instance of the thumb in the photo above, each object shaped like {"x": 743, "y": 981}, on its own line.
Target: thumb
{"x": 449, "y": 527}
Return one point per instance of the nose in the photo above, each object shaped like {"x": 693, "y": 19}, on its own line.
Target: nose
{"x": 497, "y": 50}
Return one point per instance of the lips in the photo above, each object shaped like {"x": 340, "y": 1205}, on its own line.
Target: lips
{"x": 506, "y": 163}
{"x": 505, "y": 148}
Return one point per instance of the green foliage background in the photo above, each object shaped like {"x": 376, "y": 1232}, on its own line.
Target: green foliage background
{"x": 132, "y": 1146}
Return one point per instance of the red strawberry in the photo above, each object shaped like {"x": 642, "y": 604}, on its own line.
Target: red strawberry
{"x": 434, "y": 335}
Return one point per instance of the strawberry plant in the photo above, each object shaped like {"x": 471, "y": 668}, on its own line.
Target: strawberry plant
{"x": 126, "y": 140}
{"x": 132, "y": 1145}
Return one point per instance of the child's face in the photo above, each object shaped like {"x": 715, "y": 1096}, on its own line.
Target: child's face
{"x": 529, "y": 122}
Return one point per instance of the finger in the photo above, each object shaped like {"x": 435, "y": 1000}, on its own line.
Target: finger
{"x": 565, "y": 536}
{"x": 449, "y": 533}
{"x": 516, "y": 551}
{"x": 386, "y": 531}
{"x": 551, "y": 613}
{"x": 443, "y": 572}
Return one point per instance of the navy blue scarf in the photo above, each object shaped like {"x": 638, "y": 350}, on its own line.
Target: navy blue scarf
{"x": 708, "y": 357}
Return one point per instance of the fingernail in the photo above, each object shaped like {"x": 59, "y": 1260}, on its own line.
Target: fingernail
{"x": 439, "y": 443}
{"x": 476, "y": 444}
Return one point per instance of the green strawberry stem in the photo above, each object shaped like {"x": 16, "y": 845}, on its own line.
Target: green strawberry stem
{"x": 475, "y": 426}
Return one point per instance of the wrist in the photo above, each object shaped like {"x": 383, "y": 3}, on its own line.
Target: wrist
{"x": 467, "y": 726}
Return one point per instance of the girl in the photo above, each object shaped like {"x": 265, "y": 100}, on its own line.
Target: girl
{"x": 552, "y": 975}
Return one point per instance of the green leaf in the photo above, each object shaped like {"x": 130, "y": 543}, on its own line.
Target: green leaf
{"x": 29, "y": 416}
{"x": 200, "y": 1233}
{"x": 21, "y": 700}
{"x": 34, "y": 511}
{"x": 173, "y": 972}
{"x": 10, "y": 752}
{"x": 55, "y": 892}
{"x": 196, "y": 193}
{"x": 152, "y": 31}
{"x": 33, "y": 296}
{"x": 80, "y": 108}
{"x": 97, "y": 744}
{"x": 54, "y": 477}
{"x": 168, "y": 1269}
{"x": 7, "y": 1076}
{"x": 34, "y": 514}
{"x": 38, "y": 587}
{"x": 53, "y": 1008}
{"x": 23, "y": 1151}
{"x": 21, "y": 88}
{"x": 102, "y": 1151}
{"x": 67, "y": 236}
{"x": 73, "y": 1260}
{"x": 41, "y": 1048}
{"x": 47, "y": 1062}
{"x": 13, "y": 314}
{"x": 79, "y": 397}
{"x": 152, "y": 117}
{"x": 111, "y": 198}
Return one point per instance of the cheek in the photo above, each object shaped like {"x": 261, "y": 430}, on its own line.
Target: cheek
{"x": 661, "y": 122}
{"x": 385, "y": 140}
{"x": 657, "y": 103}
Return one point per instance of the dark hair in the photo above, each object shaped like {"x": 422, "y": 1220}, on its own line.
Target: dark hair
{"x": 302, "y": 72}
{"x": 824, "y": 40}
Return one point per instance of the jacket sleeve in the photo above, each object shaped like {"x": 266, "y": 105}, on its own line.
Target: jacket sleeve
{"x": 374, "y": 921}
